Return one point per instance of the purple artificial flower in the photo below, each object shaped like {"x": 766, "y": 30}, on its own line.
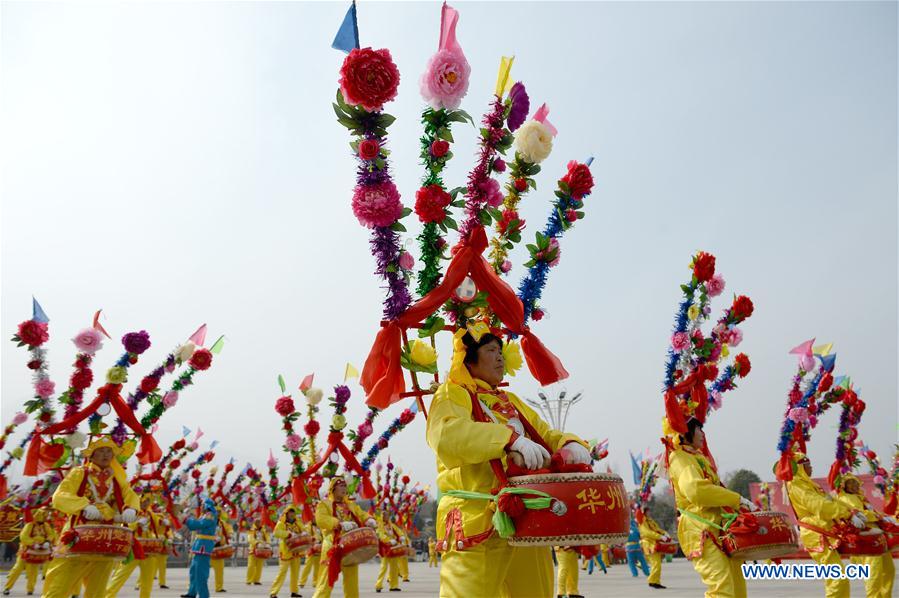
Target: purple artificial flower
{"x": 136, "y": 342}
{"x": 341, "y": 394}
{"x": 521, "y": 105}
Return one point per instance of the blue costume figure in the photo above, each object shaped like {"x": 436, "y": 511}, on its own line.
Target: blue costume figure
{"x": 635, "y": 552}
{"x": 201, "y": 549}
{"x": 598, "y": 560}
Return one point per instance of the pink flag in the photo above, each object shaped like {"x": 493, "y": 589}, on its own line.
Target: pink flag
{"x": 449, "y": 16}
{"x": 803, "y": 349}
{"x": 98, "y": 326}
{"x": 199, "y": 337}
{"x": 540, "y": 116}
{"x": 306, "y": 384}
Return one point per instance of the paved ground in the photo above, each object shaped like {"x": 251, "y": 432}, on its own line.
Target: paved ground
{"x": 679, "y": 576}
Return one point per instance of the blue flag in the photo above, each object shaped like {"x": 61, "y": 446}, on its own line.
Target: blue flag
{"x": 347, "y": 36}
{"x": 37, "y": 312}
{"x": 828, "y": 361}
{"x": 185, "y": 431}
{"x": 638, "y": 473}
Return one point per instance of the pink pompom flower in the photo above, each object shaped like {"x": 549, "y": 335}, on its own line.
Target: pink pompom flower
{"x": 445, "y": 80}
{"x": 492, "y": 193}
{"x": 715, "y": 285}
{"x": 170, "y": 399}
{"x": 88, "y": 341}
{"x": 377, "y": 205}
{"x": 734, "y": 337}
{"x": 293, "y": 442}
{"x": 680, "y": 341}
{"x": 44, "y": 388}
{"x": 19, "y": 418}
{"x": 799, "y": 415}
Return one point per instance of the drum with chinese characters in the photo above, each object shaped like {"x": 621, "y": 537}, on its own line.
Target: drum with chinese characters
{"x": 36, "y": 556}
{"x": 862, "y": 544}
{"x": 152, "y": 546}
{"x": 358, "y": 546}
{"x": 262, "y": 551}
{"x": 95, "y": 542}
{"x": 395, "y": 551}
{"x": 669, "y": 547}
{"x": 222, "y": 552}
{"x": 760, "y": 535}
{"x": 586, "y": 508}
{"x": 299, "y": 544}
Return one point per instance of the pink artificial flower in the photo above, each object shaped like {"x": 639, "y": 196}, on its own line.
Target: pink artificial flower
{"x": 365, "y": 430}
{"x": 715, "y": 400}
{"x": 734, "y": 337}
{"x": 492, "y": 193}
{"x": 407, "y": 262}
{"x": 715, "y": 285}
{"x": 506, "y": 266}
{"x": 445, "y": 80}
{"x": 878, "y": 479}
{"x": 680, "y": 341}
{"x": 807, "y": 362}
{"x": 812, "y": 421}
{"x": 377, "y": 205}
{"x": 170, "y": 367}
{"x": 88, "y": 341}
{"x": 170, "y": 398}
{"x": 715, "y": 353}
{"x": 193, "y": 446}
{"x": 44, "y": 388}
{"x": 19, "y": 418}
{"x": 553, "y": 246}
{"x": 720, "y": 331}
{"x": 293, "y": 442}
{"x": 799, "y": 415}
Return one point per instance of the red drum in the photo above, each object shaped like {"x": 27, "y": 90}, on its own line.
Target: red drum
{"x": 262, "y": 552}
{"x": 152, "y": 546}
{"x": 222, "y": 552}
{"x": 358, "y": 545}
{"x": 587, "y": 508}
{"x": 589, "y": 552}
{"x": 35, "y": 556}
{"x": 666, "y": 547}
{"x": 774, "y": 537}
{"x": 396, "y": 550}
{"x": 97, "y": 542}
{"x": 862, "y": 544}
{"x": 298, "y": 545}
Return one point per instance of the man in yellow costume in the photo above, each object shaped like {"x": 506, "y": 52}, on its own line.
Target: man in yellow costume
{"x": 473, "y": 422}
{"x": 404, "y": 524}
{"x": 568, "y": 576}
{"x": 432, "y": 553}
{"x": 97, "y": 492}
{"x": 144, "y": 528}
{"x": 36, "y": 535}
{"x": 701, "y": 498}
{"x": 313, "y": 557}
{"x": 257, "y": 535}
{"x": 165, "y": 531}
{"x": 390, "y": 536}
{"x": 650, "y": 533}
{"x": 223, "y": 536}
{"x": 334, "y": 516}
{"x": 882, "y": 568}
{"x": 288, "y": 527}
{"x": 815, "y": 509}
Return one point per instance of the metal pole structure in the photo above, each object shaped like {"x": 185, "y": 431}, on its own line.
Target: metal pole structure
{"x": 555, "y": 410}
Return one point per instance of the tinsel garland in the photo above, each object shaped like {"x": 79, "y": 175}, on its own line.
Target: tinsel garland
{"x": 530, "y": 290}
{"x": 135, "y": 397}
{"x": 73, "y": 397}
{"x": 384, "y": 440}
{"x": 363, "y": 431}
{"x": 124, "y": 363}
{"x": 157, "y": 402}
{"x": 190, "y": 468}
{"x": 521, "y": 173}
{"x": 274, "y": 487}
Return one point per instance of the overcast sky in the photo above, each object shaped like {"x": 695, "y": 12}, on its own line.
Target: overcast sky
{"x": 178, "y": 163}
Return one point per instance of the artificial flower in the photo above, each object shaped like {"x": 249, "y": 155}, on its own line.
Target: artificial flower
{"x": 149, "y": 384}
{"x": 369, "y": 149}
{"x": 579, "y": 179}
{"x": 406, "y": 261}
{"x": 431, "y": 202}
{"x": 88, "y": 341}
{"x": 314, "y": 396}
{"x": 734, "y": 337}
{"x": 117, "y": 375}
{"x": 136, "y": 342}
{"x": 19, "y": 418}
{"x": 293, "y": 442}
{"x": 201, "y": 360}
{"x": 341, "y": 394}
{"x": 798, "y": 415}
{"x": 693, "y": 312}
{"x": 512, "y": 357}
{"x": 439, "y": 148}
{"x": 406, "y": 417}
{"x": 520, "y": 185}
{"x": 33, "y": 333}
{"x": 422, "y": 353}
{"x": 81, "y": 379}
{"x": 715, "y": 285}
{"x": 742, "y": 308}
{"x": 491, "y": 192}
{"x": 284, "y": 406}
{"x": 17, "y": 452}
{"x": 365, "y": 430}
{"x": 369, "y": 78}
{"x": 703, "y": 266}
{"x": 445, "y": 80}
{"x": 510, "y": 223}
{"x": 377, "y": 205}
{"x": 533, "y": 141}
{"x": 521, "y": 105}
{"x": 169, "y": 399}
{"x": 185, "y": 351}
{"x": 725, "y": 350}
{"x": 506, "y": 266}
{"x": 312, "y": 427}
{"x": 75, "y": 440}
{"x": 742, "y": 365}
{"x": 338, "y": 422}
{"x": 499, "y": 165}
{"x": 680, "y": 341}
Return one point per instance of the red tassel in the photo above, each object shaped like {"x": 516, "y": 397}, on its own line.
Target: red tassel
{"x": 784, "y": 469}
{"x": 334, "y": 558}
{"x": 137, "y": 549}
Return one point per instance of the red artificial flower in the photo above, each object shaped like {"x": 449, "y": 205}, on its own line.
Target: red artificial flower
{"x": 311, "y": 428}
{"x": 149, "y": 384}
{"x": 209, "y": 483}
{"x": 296, "y": 459}
{"x": 32, "y": 333}
{"x": 703, "y": 266}
{"x": 201, "y": 360}
{"x": 406, "y": 416}
{"x": 431, "y": 202}
{"x": 179, "y": 444}
{"x": 2, "y": 443}
{"x": 369, "y": 149}
{"x": 284, "y": 406}
{"x": 521, "y": 185}
{"x": 826, "y": 382}
{"x": 209, "y": 456}
{"x": 175, "y": 464}
{"x": 195, "y": 474}
{"x": 439, "y": 148}
{"x": 382, "y": 443}
{"x": 795, "y": 395}
{"x": 81, "y": 379}
{"x": 571, "y": 215}
{"x": 45, "y": 416}
{"x": 229, "y": 467}
{"x": 579, "y": 179}
{"x": 742, "y": 307}
{"x": 132, "y": 360}
{"x": 34, "y": 364}
{"x": 505, "y": 225}
{"x": 406, "y": 479}
{"x": 850, "y": 398}
{"x": 369, "y": 78}
{"x": 537, "y": 315}
{"x": 859, "y": 407}
{"x": 743, "y": 365}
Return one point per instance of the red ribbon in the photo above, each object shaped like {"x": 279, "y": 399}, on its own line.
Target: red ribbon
{"x": 694, "y": 386}
{"x": 35, "y": 462}
{"x": 335, "y": 443}
{"x": 382, "y": 376}
{"x": 745, "y": 523}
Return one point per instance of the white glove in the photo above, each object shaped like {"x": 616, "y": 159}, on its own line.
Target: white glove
{"x": 46, "y": 546}
{"x": 532, "y": 453}
{"x": 91, "y": 513}
{"x": 516, "y": 425}
{"x": 129, "y": 515}
{"x": 392, "y": 542}
{"x": 347, "y": 525}
{"x": 167, "y": 522}
{"x": 745, "y": 502}
{"x": 859, "y": 521}
{"x": 142, "y": 521}
{"x": 891, "y": 520}
{"x": 371, "y": 523}
{"x": 665, "y": 538}
{"x": 574, "y": 453}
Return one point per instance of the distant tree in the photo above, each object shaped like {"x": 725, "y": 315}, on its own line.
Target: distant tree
{"x": 739, "y": 481}
{"x": 662, "y": 509}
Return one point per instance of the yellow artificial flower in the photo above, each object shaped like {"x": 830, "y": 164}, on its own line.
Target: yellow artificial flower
{"x": 693, "y": 312}
{"x": 338, "y": 422}
{"x": 423, "y": 354}
{"x": 725, "y": 351}
{"x": 117, "y": 375}
{"x": 17, "y": 452}
{"x": 512, "y": 357}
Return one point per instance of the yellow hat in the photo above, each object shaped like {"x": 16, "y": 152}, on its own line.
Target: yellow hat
{"x": 40, "y": 515}
{"x": 101, "y": 442}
